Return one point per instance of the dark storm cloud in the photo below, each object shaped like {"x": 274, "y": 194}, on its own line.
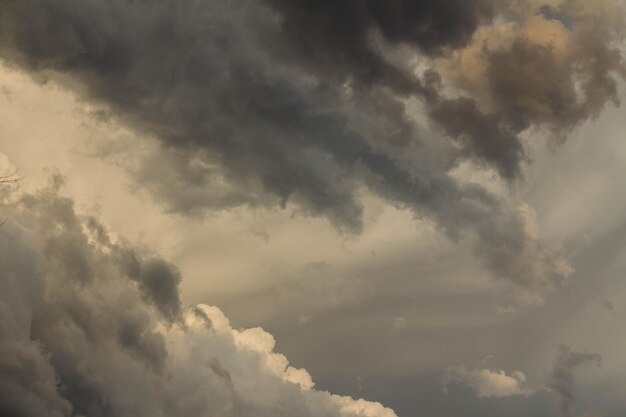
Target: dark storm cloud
{"x": 482, "y": 135}
{"x": 158, "y": 282}
{"x": 27, "y": 380}
{"x": 529, "y": 84}
{"x": 28, "y": 383}
{"x": 562, "y": 375}
{"x": 292, "y": 102}
{"x": 116, "y": 342}
{"x": 334, "y": 38}
{"x": 157, "y": 279}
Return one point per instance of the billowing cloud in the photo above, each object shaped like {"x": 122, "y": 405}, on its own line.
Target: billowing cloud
{"x": 488, "y": 383}
{"x": 549, "y": 67}
{"x": 546, "y": 65}
{"x": 562, "y": 376}
{"x": 90, "y": 326}
{"x": 305, "y": 103}
{"x": 338, "y": 39}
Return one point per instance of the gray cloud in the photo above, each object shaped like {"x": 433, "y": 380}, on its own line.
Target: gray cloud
{"x": 158, "y": 282}
{"x": 562, "y": 375}
{"x": 481, "y": 135}
{"x": 335, "y": 38}
{"x": 226, "y": 88}
{"x": 528, "y": 83}
{"x": 157, "y": 279}
{"x": 28, "y": 383}
{"x": 113, "y": 340}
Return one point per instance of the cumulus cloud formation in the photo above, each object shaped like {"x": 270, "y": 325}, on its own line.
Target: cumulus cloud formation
{"x": 562, "y": 376}
{"x": 90, "y": 326}
{"x": 488, "y": 383}
{"x": 307, "y": 103}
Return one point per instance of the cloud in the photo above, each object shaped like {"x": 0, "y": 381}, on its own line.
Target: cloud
{"x": 487, "y": 383}
{"x": 562, "y": 375}
{"x": 282, "y": 103}
{"x": 91, "y": 326}
{"x": 336, "y": 39}
{"x": 519, "y": 65}
{"x": 550, "y": 67}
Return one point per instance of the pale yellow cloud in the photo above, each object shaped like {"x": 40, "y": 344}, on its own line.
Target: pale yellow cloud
{"x": 488, "y": 383}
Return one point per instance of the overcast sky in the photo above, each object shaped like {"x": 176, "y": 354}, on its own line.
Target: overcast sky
{"x": 350, "y": 208}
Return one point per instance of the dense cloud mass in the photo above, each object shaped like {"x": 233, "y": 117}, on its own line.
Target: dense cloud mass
{"x": 91, "y": 327}
{"x": 306, "y": 102}
{"x": 336, "y": 38}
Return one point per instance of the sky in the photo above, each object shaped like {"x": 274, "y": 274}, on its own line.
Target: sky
{"x": 298, "y": 208}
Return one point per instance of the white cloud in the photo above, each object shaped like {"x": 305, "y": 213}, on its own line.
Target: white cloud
{"x": 488, "y": 383}
{"x": 260, "y": 376}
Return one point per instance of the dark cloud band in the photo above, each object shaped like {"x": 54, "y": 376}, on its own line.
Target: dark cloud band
{"x": 295, "y": 102}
